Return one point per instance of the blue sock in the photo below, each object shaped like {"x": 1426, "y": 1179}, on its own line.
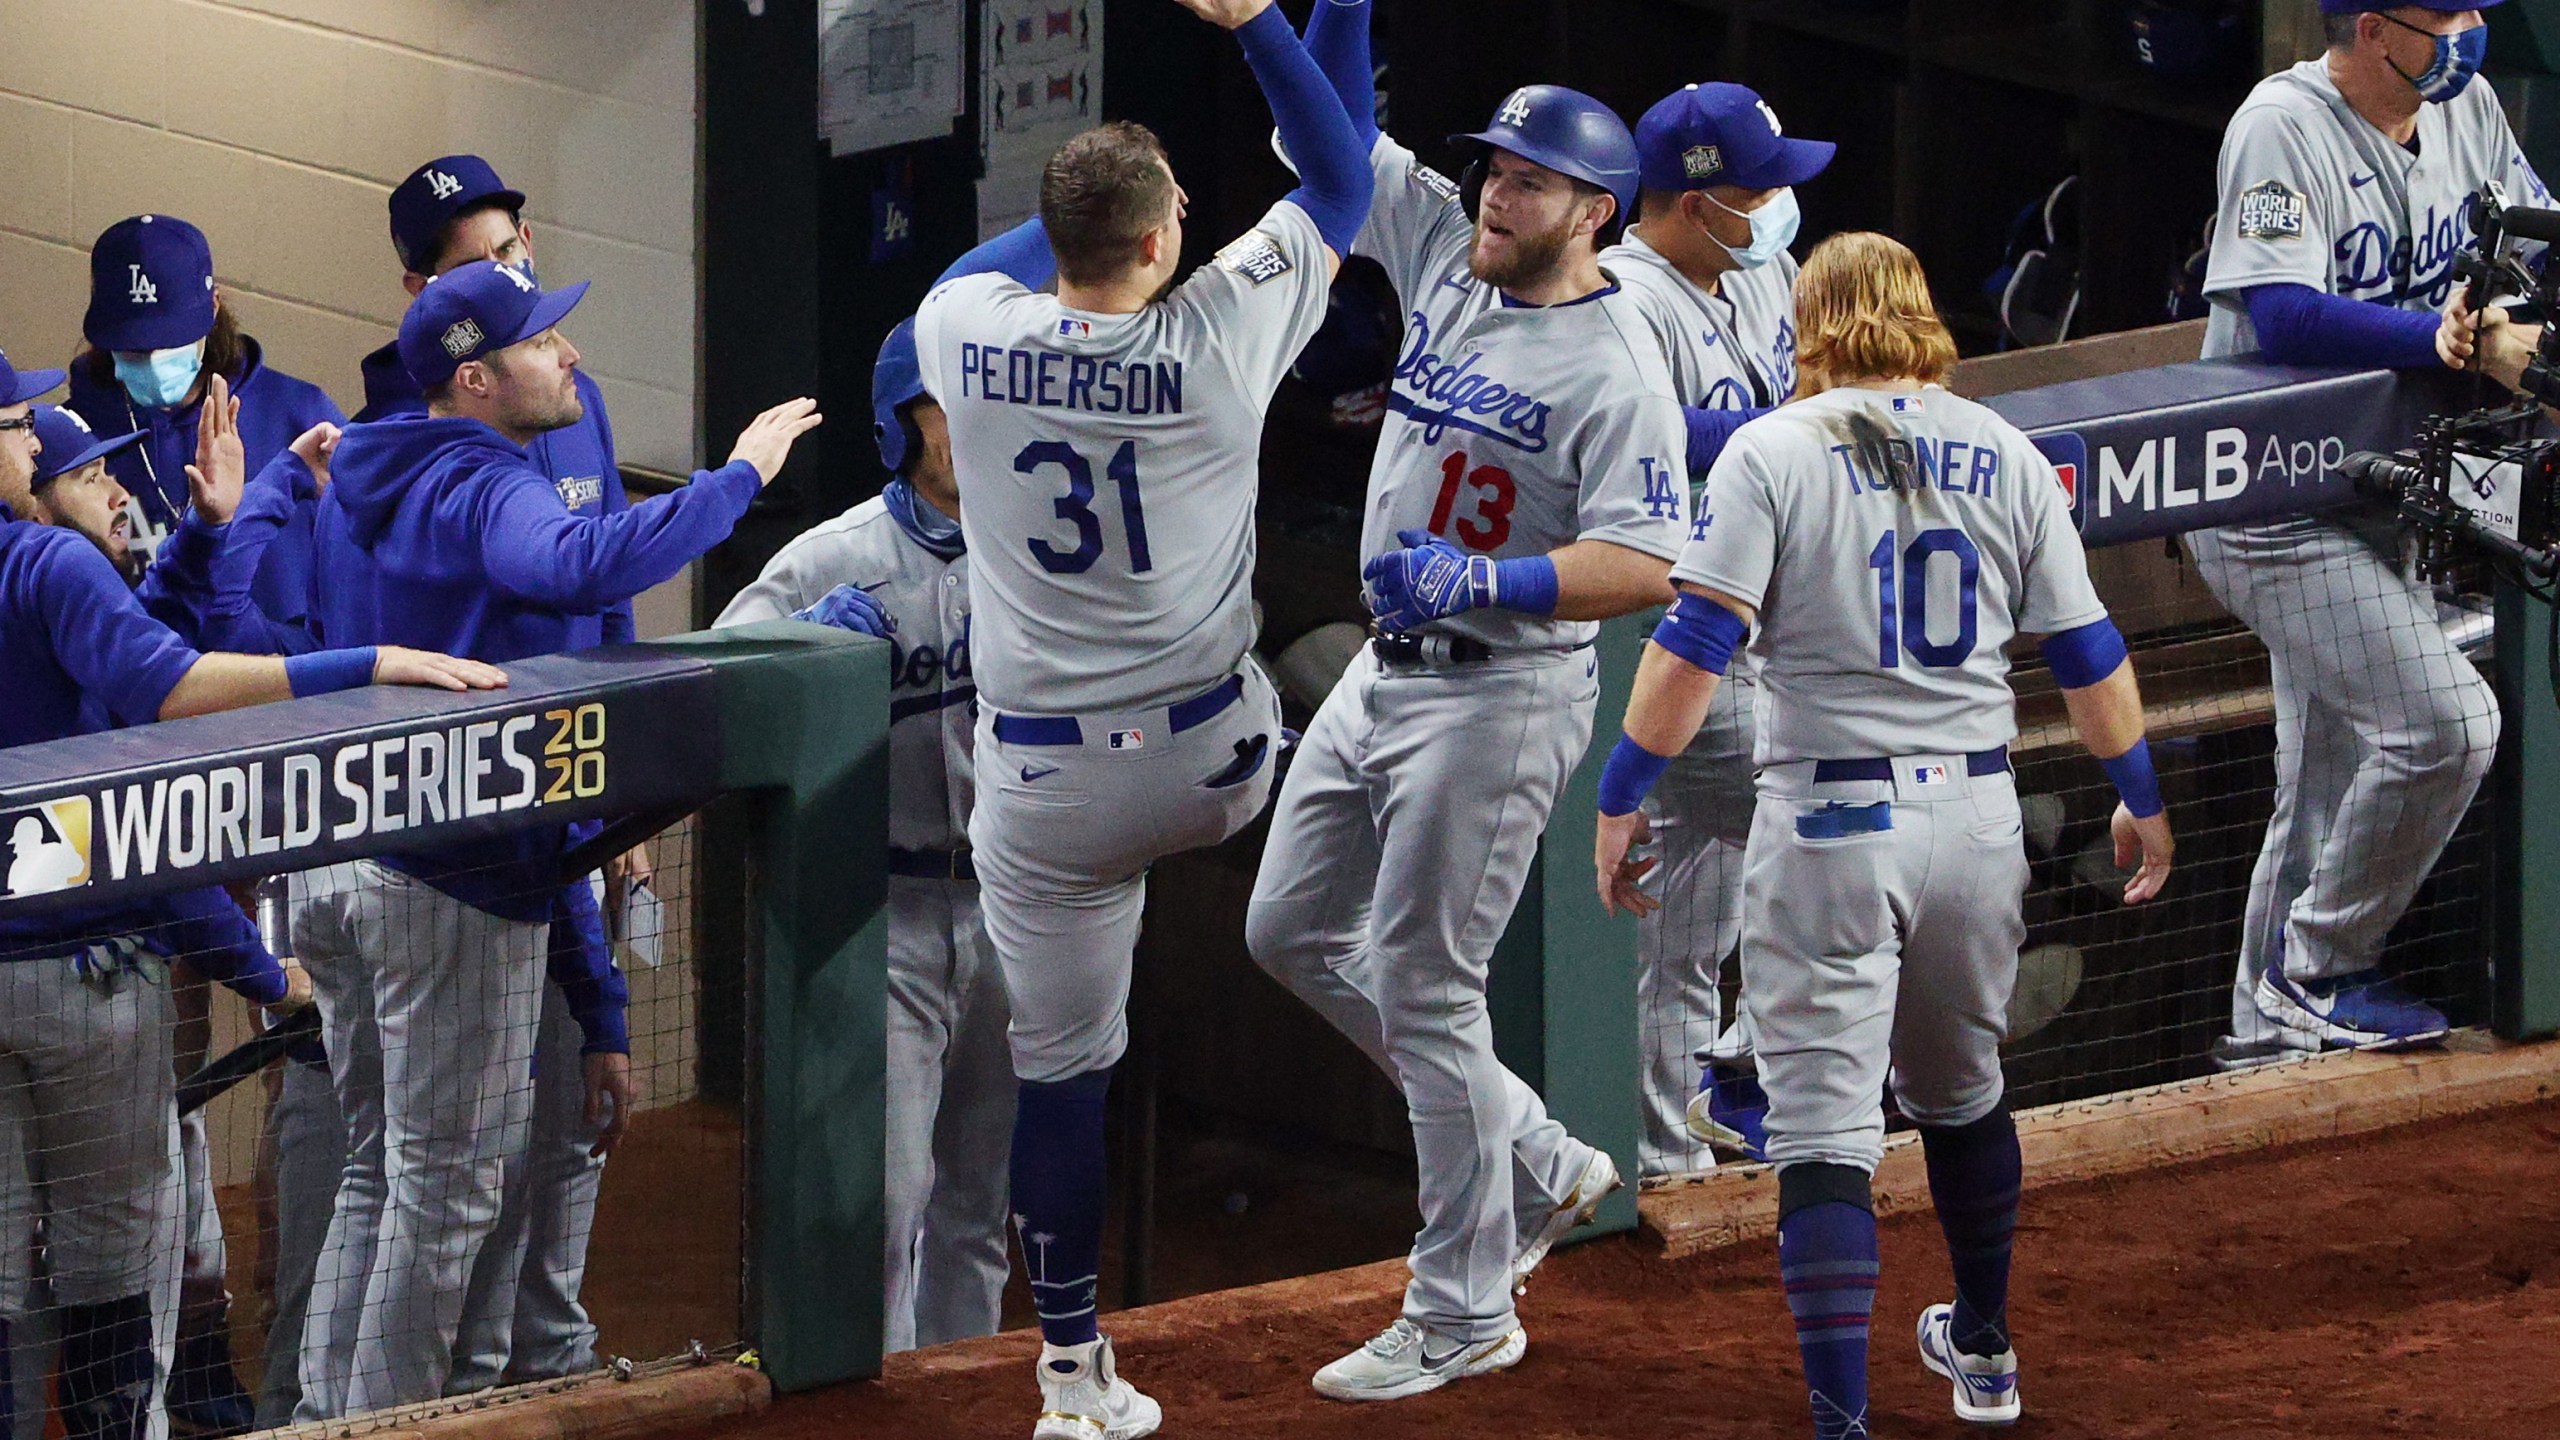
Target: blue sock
{"x": 1058, "y": 1180}
{"x": 1827, "y": 1257}
{"x": 1973, "y": 1179}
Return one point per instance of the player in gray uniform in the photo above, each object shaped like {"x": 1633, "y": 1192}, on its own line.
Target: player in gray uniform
{"x": 1105, "y": 438}
{"x": 2343, "y": 184}
{"x": 1889, "y": 539}
{"x": 1707, "y": 265}
{"x": 1531, "y": 423}
{"x": 896, "y": 566}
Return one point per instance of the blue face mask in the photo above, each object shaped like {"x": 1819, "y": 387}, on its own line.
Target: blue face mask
{"x": 159, "y": 378}
{"x": 2457, "y": 59}
{"x": 1773, "y": 229}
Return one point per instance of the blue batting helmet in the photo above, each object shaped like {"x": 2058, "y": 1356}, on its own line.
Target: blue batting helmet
{"x": 897, "y": 381}
{"x": 1566, "y": 131}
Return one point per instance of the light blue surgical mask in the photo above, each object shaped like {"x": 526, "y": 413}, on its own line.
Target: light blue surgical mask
{"x": 2457, "y": 59}
{"x": 1773, "y": 228}
{"x": 159, "y": 378}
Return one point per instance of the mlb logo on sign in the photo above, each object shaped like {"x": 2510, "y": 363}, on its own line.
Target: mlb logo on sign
{"x": 48, "y": 847}
{"x": 1928, "y": 774}
{"x": 1128, "y": 739}
{"x": 2069, "y": 455}
{"x": 1074, "y": 329}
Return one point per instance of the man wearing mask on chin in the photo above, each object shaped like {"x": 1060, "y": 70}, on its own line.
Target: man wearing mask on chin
{"x": 1707, "y": 265}
{"x": 2343, "y": 185}
{"x": 159, "y": 328}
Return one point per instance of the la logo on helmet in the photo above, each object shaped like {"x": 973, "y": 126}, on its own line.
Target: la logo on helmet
{"x": 1515, "y": 111}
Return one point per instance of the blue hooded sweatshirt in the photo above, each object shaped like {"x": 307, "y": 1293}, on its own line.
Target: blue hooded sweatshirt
{"x": 274, "y": 409}
{"x": 579, "y": 459}
{"x": 471, "y": 551}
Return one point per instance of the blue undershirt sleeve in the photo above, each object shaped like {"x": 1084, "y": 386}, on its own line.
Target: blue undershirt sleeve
{"x": 1333, "y": 166}
{"x": 2298, "y": 325}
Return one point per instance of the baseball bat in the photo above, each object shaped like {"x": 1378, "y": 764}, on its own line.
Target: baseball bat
{"x": 246, "y": 1059}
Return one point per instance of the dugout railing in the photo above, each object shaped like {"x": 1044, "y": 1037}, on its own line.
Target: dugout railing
{"x": 787, "y": 721}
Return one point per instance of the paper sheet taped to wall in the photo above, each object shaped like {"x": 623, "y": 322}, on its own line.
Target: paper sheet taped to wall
{"x": 889, "y": 71}
{"x": 1040, "y": 81}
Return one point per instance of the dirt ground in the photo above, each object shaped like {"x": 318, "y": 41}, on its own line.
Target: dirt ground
{"x": 2405, "y": 1283}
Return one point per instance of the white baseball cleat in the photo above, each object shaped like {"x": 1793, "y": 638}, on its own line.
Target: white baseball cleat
{"x": 1599, "y": 1177}
{"x": 1407, "y": 1359}
{"x": 1082, "y": 1396}
{"x": 1986, "y": 1386}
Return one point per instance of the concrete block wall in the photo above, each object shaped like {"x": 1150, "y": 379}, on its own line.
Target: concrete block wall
{"x": 279, "y": 127}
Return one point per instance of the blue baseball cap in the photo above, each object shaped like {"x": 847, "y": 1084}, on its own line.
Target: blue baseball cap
{"x": 1721, "y": 134}
{"x": 473, "y": 309}
{"x": 434, "y": 193}
{"x": 69, "y": 443}
{"x": 2358, "y": 7}
{"x": 17, "y": 386}
{"x": 150, "y": 285}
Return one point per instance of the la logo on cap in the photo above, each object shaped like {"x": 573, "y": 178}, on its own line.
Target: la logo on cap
{"x": 1515, "y": 111}
{"x": 442, "y": 186}
{"x": 143, "y": 292}
{"x": 1774, "y": 127}
{"x": 461, "y": 337}
{"x": 517, "y": 276}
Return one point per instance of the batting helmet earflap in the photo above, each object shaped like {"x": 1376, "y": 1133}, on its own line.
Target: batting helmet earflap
{"x": 1564, "y": 130}
{"x": 897, "y": 381}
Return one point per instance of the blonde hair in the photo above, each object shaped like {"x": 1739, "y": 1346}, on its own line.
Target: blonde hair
{"x": 1863, "y": 313}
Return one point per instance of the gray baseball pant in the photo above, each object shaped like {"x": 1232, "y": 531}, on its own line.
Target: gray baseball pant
{"x": 1701, "y": 818}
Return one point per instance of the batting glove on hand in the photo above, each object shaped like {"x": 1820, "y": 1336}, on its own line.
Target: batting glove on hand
{"x": 846, "y": 608}
{"x": 1430, "y": 579}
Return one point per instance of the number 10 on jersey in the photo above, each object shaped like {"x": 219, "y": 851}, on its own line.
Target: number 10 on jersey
{"x": 1902, "y": 610}
{"x": 1076, "y": 506}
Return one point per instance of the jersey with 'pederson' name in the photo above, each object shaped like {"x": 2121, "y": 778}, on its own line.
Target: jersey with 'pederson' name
{"x": 1108, "y": 466}
{"x": 2312, "y": 194}
{"x": 1513, "y": 430}
{"x": 1892, "y": 544}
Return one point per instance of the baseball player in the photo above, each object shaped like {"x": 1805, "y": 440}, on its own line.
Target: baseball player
{"x": 1527, "y": 483}
{"x": 2344, "y": 183}
{"x": 1706, "y": 263}
{"x": 426, "y": 962}
{"x": 86, "y": 1014}
{"x": 1105, "y": 440}
{"x": 158, "y": 328}
{"x": 1888, "y": 539}
{"x": 524, "y": 1320}
{"x": 898, "y": 567}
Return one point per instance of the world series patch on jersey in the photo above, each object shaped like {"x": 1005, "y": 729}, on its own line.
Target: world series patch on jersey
{"x": 2271, "y": 210}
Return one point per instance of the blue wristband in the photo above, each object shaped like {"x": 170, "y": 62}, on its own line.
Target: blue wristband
{"x": 323, "y": 671}
{"x": 1631, "y": 771}
{"x": 2135, "y": 780}
{"x": 1701, "y": 632}
{"x": 1528, "y": 584}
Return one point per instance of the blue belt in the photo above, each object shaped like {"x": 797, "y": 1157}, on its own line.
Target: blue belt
{"x": 1184, "y": 715}
{"x": 931, "y": 864}
{"x": 1994, "y": 761}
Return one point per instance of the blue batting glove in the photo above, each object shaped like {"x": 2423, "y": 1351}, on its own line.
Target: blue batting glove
{"x": 1430, "y": 579}
{"x": 846, "y": 608}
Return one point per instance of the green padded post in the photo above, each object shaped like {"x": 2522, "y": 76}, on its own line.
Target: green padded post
{"x": 805, "y": 728}
{"x": 1564, "y": 977}
{"x": 2525, "y": 868}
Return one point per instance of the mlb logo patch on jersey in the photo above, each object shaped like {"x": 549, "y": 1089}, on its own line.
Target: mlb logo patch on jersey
{"x": 1928, "y": 774}
{"x": 1128, "y": 739}
{"x": 1072, "y": 329}
{"x": 1254, "y": 257}
{"x": 1908, "y": 405}
{"x": 2271, "y": 210}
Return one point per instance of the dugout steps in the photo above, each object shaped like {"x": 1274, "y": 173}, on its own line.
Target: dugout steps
{"x": 2317, "y": 1098}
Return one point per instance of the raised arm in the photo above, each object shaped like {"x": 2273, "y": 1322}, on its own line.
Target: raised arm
{"x": 1022, "y": 253}
{"x": 1338, "y": 38}
{"x": 1333, "y": 164}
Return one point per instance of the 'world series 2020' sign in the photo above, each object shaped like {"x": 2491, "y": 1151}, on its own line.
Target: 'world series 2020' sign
{"x": 2214, "y": 442}
{"x": 281, "y": 788}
